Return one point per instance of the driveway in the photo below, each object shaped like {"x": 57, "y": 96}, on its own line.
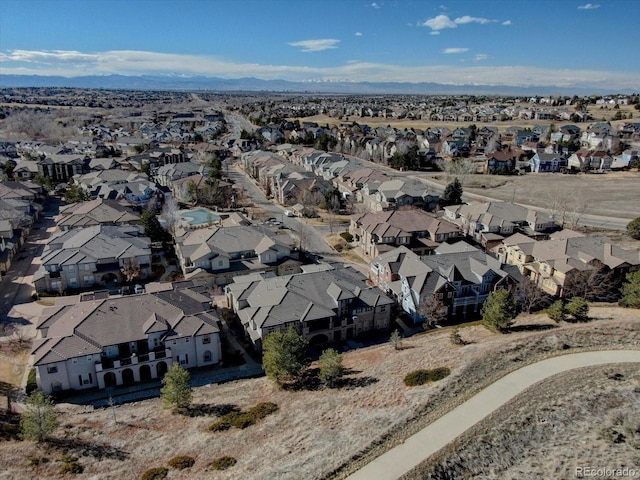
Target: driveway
{"x": 420, "y": 446}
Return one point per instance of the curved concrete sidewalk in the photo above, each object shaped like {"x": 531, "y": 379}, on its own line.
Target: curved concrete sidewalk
{"x": 420, "y": 446}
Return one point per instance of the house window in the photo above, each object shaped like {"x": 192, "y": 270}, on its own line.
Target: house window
{"x": 206, "y": 339}
{"x": 186, "y": 339}
{"x": 85, "y": 379}
{"x": 219, "y": 263}
{"x": 441, "y": 296}
{"x": 53, "y": 369}
{"x": 207, "y": 356}
{"x": 383, "y": 308}
{"x": 89, "y": 358}
{"x": 183, "y": 359}
{"x": 74, "y": 360}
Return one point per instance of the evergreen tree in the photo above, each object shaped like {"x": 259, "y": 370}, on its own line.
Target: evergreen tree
{"x": 557, "y": 311}
{"x": 499, "y": 310}
{"x": 631, "y": 291}
{"x": 578, "y": 308}
{"x": 330, "y": 364}
{"x": 39, "y": 420}
{"x": 152, "y": 227}
{"x": 285, "y": 356}
{"x": 176, "y": 389}
{"x": 633, "y": 227}
{"x": 452, "y": 194}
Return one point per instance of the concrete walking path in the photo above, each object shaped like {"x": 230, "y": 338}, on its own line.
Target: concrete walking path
{"x": 420, "y": 446}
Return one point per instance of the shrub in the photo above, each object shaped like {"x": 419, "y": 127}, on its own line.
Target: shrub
{"x": 35, "y": 461}
{"x": 330, "y": 363}
{"x": 181, "y": 462}
{"x": 395, "y": 340}
{"x": 557, "y": 311}
{"x": 222, "y": 463}
{"x": 420, "y": 377}
{"x": 347, "y": 237}
{"x": 578, "y": 308}
{"x": 263, "y": 410}
{"x": 71, "y": 465}
{"x": 156, "y": 473}
{"x": 243, "y": 420}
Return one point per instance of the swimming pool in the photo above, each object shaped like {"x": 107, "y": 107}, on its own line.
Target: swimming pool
{"x": 199, "y": 216}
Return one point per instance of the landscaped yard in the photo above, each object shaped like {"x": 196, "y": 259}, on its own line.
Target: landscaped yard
{"x": 313, "y": 432}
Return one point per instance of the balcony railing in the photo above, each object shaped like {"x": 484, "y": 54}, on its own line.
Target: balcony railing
{"x": 108, "y": 364}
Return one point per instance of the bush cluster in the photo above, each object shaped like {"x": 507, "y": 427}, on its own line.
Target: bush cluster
{"x": 71, "y": 465}
{"x": 420, "y": 377}
{"x": 156, "y": 473}
{"x": 243, "y": 420}
{"x": 347, "y": 237}
{"x": 222, "y": 463}
{"x": 181, "y": 462}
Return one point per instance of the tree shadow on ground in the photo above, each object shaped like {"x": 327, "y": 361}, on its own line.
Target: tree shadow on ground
{"x": 536, "y": 327}
{"x": 311, "y": 381}
{"x": 208, "y": 410}
{"x": 86, "y": 449}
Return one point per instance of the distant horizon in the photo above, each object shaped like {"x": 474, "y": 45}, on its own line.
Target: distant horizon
{"x": 279, "y": 86}
{"x": 546, "y": 44}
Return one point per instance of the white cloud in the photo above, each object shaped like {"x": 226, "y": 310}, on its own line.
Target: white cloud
{"x": 588, "y": 6}
{"x": 434, "y": 32}
{"x": 467, "y": 19}
{"x": 358, "y": 34}
{"x": 438, "y": 23}
{"x": 480, "y": 57}
{"x": 441, "y": 22}
{"x": 506, "y": 22}
{"x": 455, "y": 50}
{"x": 130, "y": 62}
{"x": 375, "y": 5}
{"x": 316, "y": 45}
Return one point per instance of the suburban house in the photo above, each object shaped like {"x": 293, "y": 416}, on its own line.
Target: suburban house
{"x": 547, "y": 163}
{"x": 590, "y": 161}
{"x": 100, "y": 211}
{"x": 392, "y": 194}
{"x": 62, "y": 168}
{"x": 326, "y": 306}
{"x": 488, "y": 223}
{"x": 118, "y": 185}
{"x": 556, "y": 264}
{"x": 217, "y": 254}
{"x": 95, "y": 255}
{"x": 459, "y": 277}
{"x": 418, "y": 230}
{"x": 122, "y": 341}
{"x": 501, "y": 162}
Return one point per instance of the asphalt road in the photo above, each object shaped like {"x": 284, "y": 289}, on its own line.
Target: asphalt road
{"x": 420, "y": 446}
{"x": 17, "y": 286}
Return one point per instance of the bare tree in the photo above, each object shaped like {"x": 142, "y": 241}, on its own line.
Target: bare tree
{"x": 596, "y": 284}
{"x": 567, "y": 206}
{"x": 433, "y": 310}
{"x": 530, "y": 297}
{"x": 130, "y": 269}
{"x": 460, "y": 168}
{"x": 171, "y": 216}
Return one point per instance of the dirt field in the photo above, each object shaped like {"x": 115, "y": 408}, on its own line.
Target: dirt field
{"x": 315, "y": 432}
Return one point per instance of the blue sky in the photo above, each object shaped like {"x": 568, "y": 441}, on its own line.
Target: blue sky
{"x": 496, "y": 42}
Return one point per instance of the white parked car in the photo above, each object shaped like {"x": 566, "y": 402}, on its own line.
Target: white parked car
{"x": 289, "y": 213}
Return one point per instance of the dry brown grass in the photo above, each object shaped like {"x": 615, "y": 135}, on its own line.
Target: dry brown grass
{"x": 587, "y": 417}
{"x": 314, "y": 432}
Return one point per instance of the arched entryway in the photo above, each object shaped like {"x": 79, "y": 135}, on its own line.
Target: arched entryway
{"x": 319, "y": 339}
{"x": 127, "y": 377}
{"x": 145, "y": 373}
{"x": 161, "y": 368}
{"x": 109, "y": 379}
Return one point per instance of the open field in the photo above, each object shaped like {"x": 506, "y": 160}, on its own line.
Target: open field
{"x": 314, "y": 432}
{"x": 598, "y": 114}
{"x": 615, "y": 194}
